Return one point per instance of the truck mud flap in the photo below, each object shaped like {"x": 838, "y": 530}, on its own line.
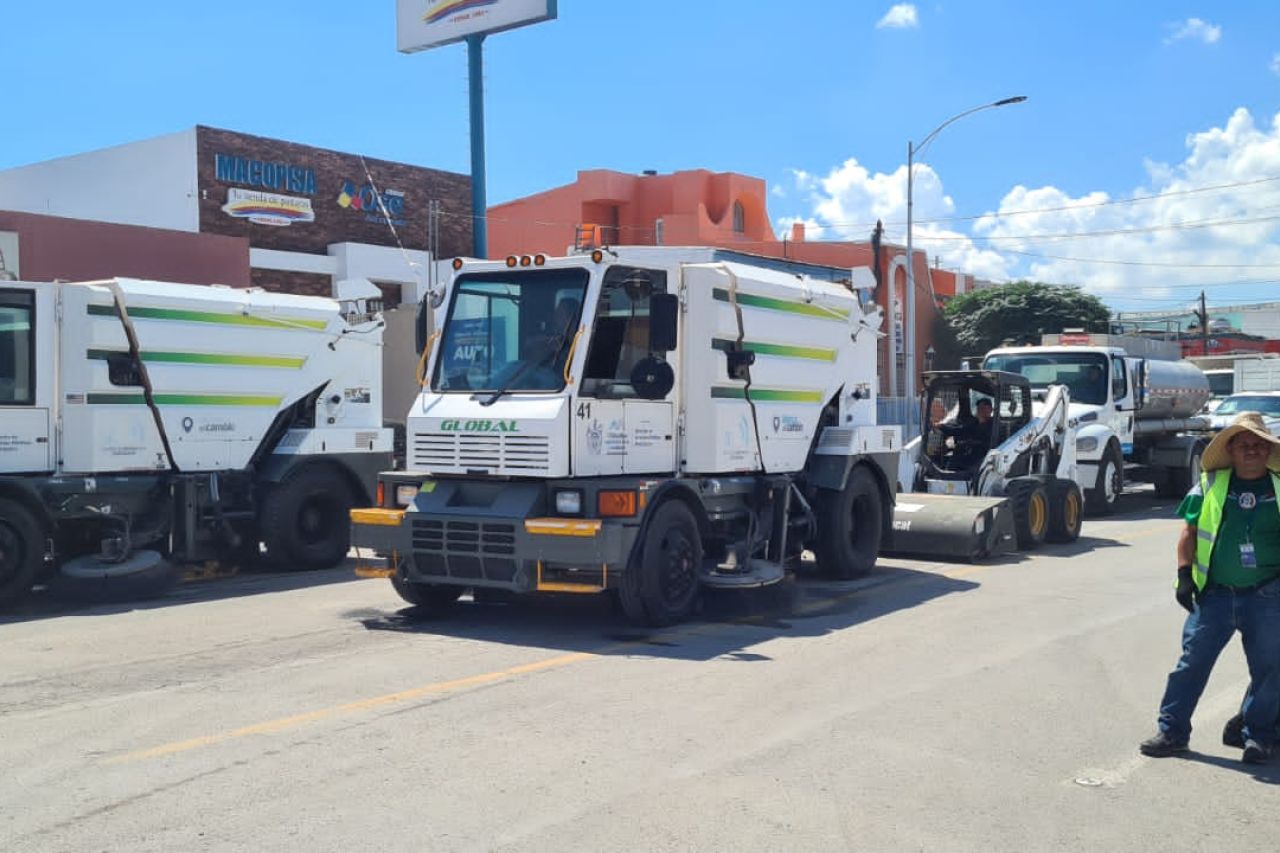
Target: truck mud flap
{"x": 951, "y": 527}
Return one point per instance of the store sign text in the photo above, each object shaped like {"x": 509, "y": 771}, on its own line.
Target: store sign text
{"x": 376, "y": 206}
{"x": 229, "y": 169}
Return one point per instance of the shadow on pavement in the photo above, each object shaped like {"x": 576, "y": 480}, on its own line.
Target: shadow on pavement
{"x": 727, "y": 625}
{"x": 1268, "y": 774}
{"x": 43, "y": 604}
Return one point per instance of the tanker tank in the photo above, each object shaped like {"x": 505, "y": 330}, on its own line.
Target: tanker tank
{"x": 1175, "y": 390}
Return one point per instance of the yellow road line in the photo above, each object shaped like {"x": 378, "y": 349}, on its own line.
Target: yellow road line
{"x": 459, "y": 684}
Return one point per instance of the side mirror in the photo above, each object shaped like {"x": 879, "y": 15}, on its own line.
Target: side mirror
{"x": 664, "y": 321}
{"x": 420, "y": 327}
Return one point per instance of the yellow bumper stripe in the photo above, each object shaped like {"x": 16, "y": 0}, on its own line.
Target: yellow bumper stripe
{"x": 377, "y": 516}
{"x": 583, "y": 527}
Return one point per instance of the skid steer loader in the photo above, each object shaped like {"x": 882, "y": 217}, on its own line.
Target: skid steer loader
{"x": 986, "y": 484}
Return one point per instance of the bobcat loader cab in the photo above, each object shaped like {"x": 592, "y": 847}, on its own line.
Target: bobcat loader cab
{"x": 644, "y": 420}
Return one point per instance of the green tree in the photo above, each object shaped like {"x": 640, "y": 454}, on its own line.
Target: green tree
{"x": 1020, "y": 312}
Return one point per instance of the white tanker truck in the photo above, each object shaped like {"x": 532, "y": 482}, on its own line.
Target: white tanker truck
{"x": 1136, "y": 414}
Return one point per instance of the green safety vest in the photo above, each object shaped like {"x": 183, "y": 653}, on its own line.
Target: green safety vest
{"x": 1214, "y": 485}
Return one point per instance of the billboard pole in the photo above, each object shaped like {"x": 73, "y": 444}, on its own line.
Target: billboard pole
{"x": 479, "y": 210}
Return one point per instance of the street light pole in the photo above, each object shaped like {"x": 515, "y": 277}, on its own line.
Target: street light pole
{"x": 909, "y": 308}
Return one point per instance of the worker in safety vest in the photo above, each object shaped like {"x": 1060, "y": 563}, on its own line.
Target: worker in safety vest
{"x": 1228, "y": 581}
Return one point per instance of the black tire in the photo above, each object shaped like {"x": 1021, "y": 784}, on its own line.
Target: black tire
{"x": 141, "y": 576}
{"x": 1066, "y": 512}
{"x": 22, "y": 541}
{"x": 1105, "y": 494}
{"x": 1030, "y": 502}
{"x": 427, "y": 595}
{"x": 305, "y": 519}
{"x": 661, "y": 587}
{"x": 1178, "y": 481}
{"x": 850, "y": 527}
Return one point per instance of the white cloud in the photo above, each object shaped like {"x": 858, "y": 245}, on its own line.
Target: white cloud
{"x": 1185, "y": 236}
{"x": 1194, "y": 28}
{"x": 900, "y": 16}
{"x": 1275, "y": 64}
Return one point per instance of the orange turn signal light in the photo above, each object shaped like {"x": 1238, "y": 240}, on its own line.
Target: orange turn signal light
{"x": 597, "y": 256}
{"x": 380, "y": 499}
{"x": 615, "y": 504}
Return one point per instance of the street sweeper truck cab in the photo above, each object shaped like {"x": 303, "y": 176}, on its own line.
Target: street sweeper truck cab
{"x": 645, "y": 420}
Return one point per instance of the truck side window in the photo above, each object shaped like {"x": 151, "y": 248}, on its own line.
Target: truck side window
{"x": 620, "y": 330}
{"x": 17, "y": 364}
{"x": 1118, "y": 385}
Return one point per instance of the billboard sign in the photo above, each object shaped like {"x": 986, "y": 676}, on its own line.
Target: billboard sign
{"x": 422, "y": 24}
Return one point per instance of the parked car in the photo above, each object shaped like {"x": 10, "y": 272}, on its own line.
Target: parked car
{"x": 1265, "y": 403}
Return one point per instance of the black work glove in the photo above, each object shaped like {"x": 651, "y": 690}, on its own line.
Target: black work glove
{"x": 1186, "y": 592}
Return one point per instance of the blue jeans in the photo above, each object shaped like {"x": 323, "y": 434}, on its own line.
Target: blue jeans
{"x": 1219, "y": 613}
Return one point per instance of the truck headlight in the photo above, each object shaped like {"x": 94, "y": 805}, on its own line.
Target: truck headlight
{"x": 569, "y": 502}
{"x": 405, "y": 495}
{"x": 1088, "y": 444}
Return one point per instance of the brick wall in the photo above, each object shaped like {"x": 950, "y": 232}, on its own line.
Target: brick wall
{"x": 301, "y": 283}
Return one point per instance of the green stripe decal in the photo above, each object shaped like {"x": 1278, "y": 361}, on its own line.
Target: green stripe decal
{"x": 765, "y": 395}
{"x": 771, "y": 304}
{"x": 206, "y": 358}
{"x": 185, "y": 316}
{"x": 780, "y": 350}
{"x": 184, "y": 400}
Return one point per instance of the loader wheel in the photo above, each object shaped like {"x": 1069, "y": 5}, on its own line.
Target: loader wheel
{"x": 430, "y": 596}
{"x": 305, "y": 519}
{"x": 850, "y": 526}
{"x": 21, "y": 550}
{"x": 661, "y": 587}
{"x": 1102, "y": 498}
{"x": 1066, "y": 512}
{"x": 1030, "y": 503}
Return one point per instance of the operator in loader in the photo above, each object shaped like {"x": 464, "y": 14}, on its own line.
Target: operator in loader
{"x": 970, "y": 436}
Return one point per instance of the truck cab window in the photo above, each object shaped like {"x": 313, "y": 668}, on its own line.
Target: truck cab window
{"x": 620, "y": 330}
{"x": 1118, "y": 385}
{"x": 17, "y": 367}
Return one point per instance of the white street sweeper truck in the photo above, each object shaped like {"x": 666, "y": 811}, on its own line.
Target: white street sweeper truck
{"x": 646, "y": 421}
{"x": 146, "y": 424}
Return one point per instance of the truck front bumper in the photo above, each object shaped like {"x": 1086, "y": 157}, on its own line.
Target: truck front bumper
{"x": 443, "y": 538}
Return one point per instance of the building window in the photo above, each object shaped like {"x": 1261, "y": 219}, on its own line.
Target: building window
{"x": 658, "y": 230}
{"x": 739, "y": 218}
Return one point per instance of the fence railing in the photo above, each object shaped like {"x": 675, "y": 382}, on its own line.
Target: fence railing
{"x": 903, "y": 411}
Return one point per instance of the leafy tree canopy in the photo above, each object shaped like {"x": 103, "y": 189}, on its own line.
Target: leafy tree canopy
{"x": 1020, "y": 312}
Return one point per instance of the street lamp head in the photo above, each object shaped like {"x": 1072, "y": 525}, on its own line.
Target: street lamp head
{"x": 1017, "y": 99}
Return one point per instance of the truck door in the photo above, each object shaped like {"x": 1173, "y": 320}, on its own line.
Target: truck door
{"x": 616, "y": 430}
{"x": 26, "y": 378}
{"x": 1124, "y": 394}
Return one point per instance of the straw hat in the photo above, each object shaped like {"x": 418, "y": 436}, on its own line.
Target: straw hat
{"x": 1217, "y": 456}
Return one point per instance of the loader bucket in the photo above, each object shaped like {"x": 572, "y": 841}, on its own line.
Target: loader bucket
{"x": 951, "y": 527}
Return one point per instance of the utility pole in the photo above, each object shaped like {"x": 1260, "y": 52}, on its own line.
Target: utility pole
{"x": 1204, "y": 326}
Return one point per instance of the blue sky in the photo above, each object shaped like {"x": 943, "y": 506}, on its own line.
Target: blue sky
{"x": 1173, "y": 100}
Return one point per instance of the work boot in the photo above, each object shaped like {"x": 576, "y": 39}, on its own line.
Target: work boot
{"x": 1233, "y": 732}
{"x": 1255, "y": 753}
{"x": 1162, "y": 745}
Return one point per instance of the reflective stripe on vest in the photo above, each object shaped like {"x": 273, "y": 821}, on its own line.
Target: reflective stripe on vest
{"x": 1214, "y": 485}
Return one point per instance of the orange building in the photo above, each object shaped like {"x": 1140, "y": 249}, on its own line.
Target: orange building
{"x": 702, "y": 208}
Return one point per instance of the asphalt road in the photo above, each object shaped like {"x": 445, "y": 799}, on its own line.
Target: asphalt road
{"x": 929, "y": 706}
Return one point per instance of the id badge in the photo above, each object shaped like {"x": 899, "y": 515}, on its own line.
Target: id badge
{"x": 1248, "y": 557}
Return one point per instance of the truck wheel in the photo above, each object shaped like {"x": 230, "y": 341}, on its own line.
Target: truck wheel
{"x": 850, "y": 526}
{"x": 1030, "y": 503}
{"x": 21, "y": 550}
{"x": 306, "y": 519}
{"x": 661, "y": 587}
{"x": 1066, "y": 512}
{"x": 431, "y": 596}
{"x": 1102, "y": 498}
{"x": 1178, "y": 481}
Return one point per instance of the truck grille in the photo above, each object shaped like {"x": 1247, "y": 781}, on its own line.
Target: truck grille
{"x": 465, "y": 549}
{"x": 509, "y": 454}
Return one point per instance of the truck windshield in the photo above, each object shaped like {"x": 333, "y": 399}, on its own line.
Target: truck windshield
{"x": 509, "y": 331}
{"x": 1249, "y": 403}
{"x": 1084, "y": 373}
